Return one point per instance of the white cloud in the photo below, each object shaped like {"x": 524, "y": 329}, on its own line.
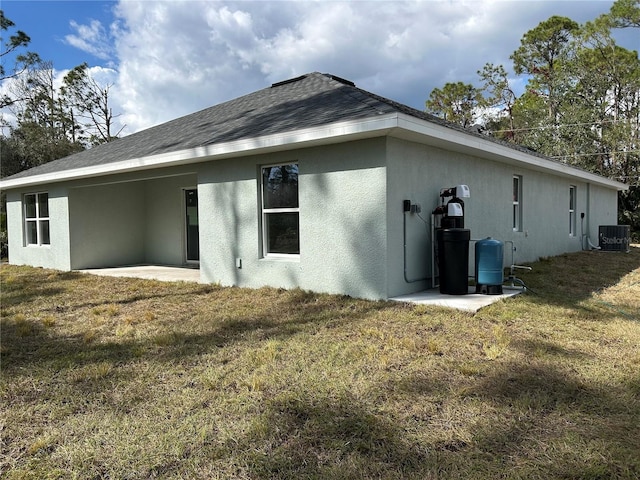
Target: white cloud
{"x": 104, "y": 76}
{"x": 92, "y": 38}
{"x": 177, "y": 57}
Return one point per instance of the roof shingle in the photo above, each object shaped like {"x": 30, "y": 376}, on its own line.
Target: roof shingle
{"x": 307, "y": 101}
{"x": 311, "y": 100}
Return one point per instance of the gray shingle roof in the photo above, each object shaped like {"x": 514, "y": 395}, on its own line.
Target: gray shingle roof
{"x": 308, "y": 101}
{"x": 311, "y": 100}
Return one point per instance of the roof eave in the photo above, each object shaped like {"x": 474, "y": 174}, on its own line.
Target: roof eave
{"x": 412, "y": 128}
{"x": 396, "y": 124}
{"x": 324, "y": 134}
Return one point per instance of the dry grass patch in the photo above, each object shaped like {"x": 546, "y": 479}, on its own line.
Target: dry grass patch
{"x": 125, "y": 378}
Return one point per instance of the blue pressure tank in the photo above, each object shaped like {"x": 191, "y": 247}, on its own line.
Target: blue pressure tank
{"x": 489, "y": 273}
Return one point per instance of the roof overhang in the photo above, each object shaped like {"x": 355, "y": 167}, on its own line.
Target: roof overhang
{"x": 421, "y": 131}
{"x": 398, "y": 125}
{"x": 322, "y": 135}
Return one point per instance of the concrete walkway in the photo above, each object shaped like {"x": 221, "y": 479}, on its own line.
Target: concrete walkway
{"x": 149, "y": 272}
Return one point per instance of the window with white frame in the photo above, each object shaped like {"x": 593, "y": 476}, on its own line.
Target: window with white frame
{"x": 517, "y": 203}
{"x": 36, "y": 218}
{"x": 572, "y": 210}
{"x": 280, "y": 210}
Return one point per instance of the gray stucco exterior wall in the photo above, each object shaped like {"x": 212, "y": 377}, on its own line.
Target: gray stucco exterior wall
{"x": 359, "y": 157}
{"x": 57, "y": 254}
{"x": 129, "y": 222}
{"x": 342, "y": 192}
{"x": 417, "y": 172}
{"x": 164, "y": 236}
{"x": 354, "y": 234}
{"x": 132, "y": 219}
{"x": 107, "y": 225}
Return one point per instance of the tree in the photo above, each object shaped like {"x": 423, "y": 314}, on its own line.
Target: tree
{"x": 12, "y": 162}
{"x": 55, "y": 122}
{"x": 500, "y": 99}
{"x": 51, "y": 122}
{"x": 581, "y": 104}
{"x": 608, "y": 89}
{"x": 626, "y": 134}
{"x": 455, "y": 102}
{"x": 46, "y": 128}
{"x": 625, "y": 13}
{"x": 22, "y": 61}
{"x": 543, "y": 55}
{"x": 90, "y": 101}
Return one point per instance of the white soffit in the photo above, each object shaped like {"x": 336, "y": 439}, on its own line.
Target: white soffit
{"x": 396, "y": 124}
{"x": 422, "y": 131}
{"x": 321, "y": 135}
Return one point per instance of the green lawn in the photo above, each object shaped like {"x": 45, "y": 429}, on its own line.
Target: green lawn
{"x": 124, "y": 378}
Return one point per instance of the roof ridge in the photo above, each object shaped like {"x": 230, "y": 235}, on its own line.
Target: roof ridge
{"x": 290, "y": 80}
{"x": 339, "y": 79}
{"x": 358, "y": 94}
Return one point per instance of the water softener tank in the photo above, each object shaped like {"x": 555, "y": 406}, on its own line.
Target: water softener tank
{"x": 453, "y": 260}
{"x": 489, "y": 273}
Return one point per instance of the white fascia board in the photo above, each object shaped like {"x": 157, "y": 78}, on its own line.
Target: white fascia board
{"x": 396, "y": 124}
{"x": 485, "y": 148}
{"x": 324, "y": 134}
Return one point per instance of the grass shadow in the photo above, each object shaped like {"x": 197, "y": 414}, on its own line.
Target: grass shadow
{"x": 537, "y": 347}
{"x": 600, "y": 413}
{"x": 370, "y": 399}
{"x": 328, "y": 438}
{"x": 193, "y": 320}
{"x": 569, "y": 280}
{"x": 28, "y": 283}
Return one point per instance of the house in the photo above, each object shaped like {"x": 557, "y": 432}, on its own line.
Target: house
{"x": 302, "y": 184}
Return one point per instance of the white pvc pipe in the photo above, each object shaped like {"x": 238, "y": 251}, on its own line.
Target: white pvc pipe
{"x": 591, "y": 245}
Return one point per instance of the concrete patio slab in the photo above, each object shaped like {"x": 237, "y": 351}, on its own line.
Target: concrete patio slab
{"x": 149, "y": 272}
{"x": 472, "y": 302}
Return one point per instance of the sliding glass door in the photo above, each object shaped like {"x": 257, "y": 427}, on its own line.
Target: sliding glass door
{"x": 191, "y": 222}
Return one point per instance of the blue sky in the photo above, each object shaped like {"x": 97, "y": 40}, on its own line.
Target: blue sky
{"x": 167, "y": 58}
{"x": 49, "y": 22}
